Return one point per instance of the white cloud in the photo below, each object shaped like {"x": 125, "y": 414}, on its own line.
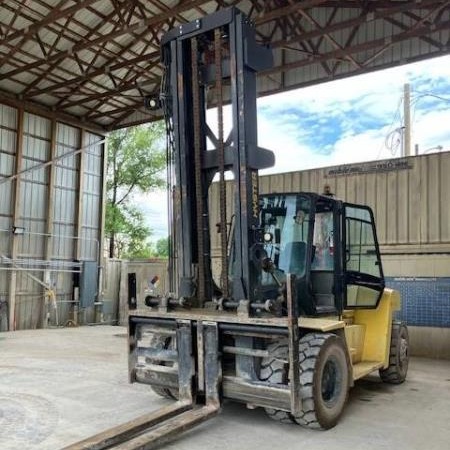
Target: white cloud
{"x": 432, "y": 128}
{"x": 363, "y": 110}
{"x": 154, "y": 207}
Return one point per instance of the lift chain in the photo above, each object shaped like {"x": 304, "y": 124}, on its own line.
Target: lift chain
{"x": 221, "y": 152}
{"x": 198, "y": 172}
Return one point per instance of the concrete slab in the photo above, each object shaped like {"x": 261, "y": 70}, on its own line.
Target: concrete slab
{"x": 60, "y": 386}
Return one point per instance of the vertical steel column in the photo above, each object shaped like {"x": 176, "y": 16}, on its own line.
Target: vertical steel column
{"x": 15, "y": 217}
{"x": 179, "y": 80}
{"x": 102, "y": 217}
{"x": 243, "y": 98}
{"x": 198, "y": 148}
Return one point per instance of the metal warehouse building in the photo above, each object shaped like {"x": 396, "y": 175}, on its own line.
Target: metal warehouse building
{"x": 70, "y": 71}
{"x": 51, "y": 184}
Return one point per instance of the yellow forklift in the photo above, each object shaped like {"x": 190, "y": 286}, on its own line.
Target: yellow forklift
{"x": 301, "y": 310}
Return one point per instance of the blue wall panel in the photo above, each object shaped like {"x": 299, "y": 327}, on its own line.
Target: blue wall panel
{"x": 425, "y": 301}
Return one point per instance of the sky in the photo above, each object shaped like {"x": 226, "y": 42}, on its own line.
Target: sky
{"x": 346, "y": 121}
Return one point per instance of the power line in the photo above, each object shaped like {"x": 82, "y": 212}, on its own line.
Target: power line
{"x": 397, "y": 117}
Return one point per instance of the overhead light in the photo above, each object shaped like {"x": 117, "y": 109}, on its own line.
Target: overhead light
{"x": 152, "y": 102}
{"x": 18, "y": 230}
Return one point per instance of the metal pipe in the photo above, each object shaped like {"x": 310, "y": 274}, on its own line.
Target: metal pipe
{"x": 223, "y": 326}
{"x": 260, "y": 329}
{"x": 36, "y": 263}
{"x": 61, "y": 236}
{"x": 52, "y": 161}
{"x": 37, "y": 269}
{"x": 151, "y": 321}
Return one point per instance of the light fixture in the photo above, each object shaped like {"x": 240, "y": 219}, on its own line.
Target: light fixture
{"x": 18, "y": 230}
{"x": 152, "y": 102}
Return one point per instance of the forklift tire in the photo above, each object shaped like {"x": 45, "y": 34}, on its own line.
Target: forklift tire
{"x": 274, "y": 370}
{"x": 396, "y": 372}
{"x": 163, "y": 342}
{"x": 324, "y": 379}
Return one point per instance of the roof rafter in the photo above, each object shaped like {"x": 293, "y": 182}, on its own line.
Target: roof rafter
{"x": 56, "y": 14}
{"x": 97, "y": 58}
{"x": 105, "y": 38}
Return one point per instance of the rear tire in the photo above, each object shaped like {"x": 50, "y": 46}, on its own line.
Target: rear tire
{"x": 324, "y": 379}
{"x": 397, "y": 370}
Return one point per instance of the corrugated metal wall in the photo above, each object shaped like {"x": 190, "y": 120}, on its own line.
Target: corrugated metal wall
{"x": 8, "y": 136}
{"x": 409, "y": 203}
{"x": 58, "y": 207}
{"x": 409, "y": 197}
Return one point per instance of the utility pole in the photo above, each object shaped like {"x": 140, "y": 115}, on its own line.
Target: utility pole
{"x": 407, "y": 120}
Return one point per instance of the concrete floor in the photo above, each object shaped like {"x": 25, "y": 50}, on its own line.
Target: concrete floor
{"x": 60, "y": 386}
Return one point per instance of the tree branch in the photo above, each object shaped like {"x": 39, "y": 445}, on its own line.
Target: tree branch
{"x": 127, "y": 194}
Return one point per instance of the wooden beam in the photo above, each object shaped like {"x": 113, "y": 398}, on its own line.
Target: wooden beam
{"x": 150, "y": 21}
{"x": 77, "y": 251}
{"x": 15, "y": 216}
{"x": 40, "y": 110}
{"x": 90, "y": 74}
{"x": 50, "y": 215}
{"x": 69, "y": 33}
{"x": 377, "y": 14}
{"x": 381, "y": 43}
{"x": 292, "y": 8}
{"x": 55, "y": 15}
{"x": 125, "y": 87}
{"x": 80, "y": 195}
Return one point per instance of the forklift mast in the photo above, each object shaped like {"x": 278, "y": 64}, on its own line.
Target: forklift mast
{"x": 295, "y": 256}
{"x": 211, "y": 62}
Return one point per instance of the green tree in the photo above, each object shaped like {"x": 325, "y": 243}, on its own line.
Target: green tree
{"x": 162, "y": 248}
{"x": 136, "y": 163}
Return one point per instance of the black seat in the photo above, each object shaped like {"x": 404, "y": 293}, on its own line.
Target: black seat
{"x": 322, "y": 284}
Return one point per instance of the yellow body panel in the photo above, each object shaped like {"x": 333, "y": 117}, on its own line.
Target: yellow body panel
{"x": 320, "y": 324}
{"x": 377, "y": 325}
{"x": 354, "y": 336}
{"x": 363, "y": 368}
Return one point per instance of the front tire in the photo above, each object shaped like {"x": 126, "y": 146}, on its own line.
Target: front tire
{"x": 397, "y": 370}
{"x": 274, "y": 369}
{"x": 324, "y": 379}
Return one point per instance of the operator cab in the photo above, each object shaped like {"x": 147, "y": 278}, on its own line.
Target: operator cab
{"x": 329, "y": 245}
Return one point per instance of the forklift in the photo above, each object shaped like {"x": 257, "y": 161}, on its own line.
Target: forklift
{"x": 300, "y": 310}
